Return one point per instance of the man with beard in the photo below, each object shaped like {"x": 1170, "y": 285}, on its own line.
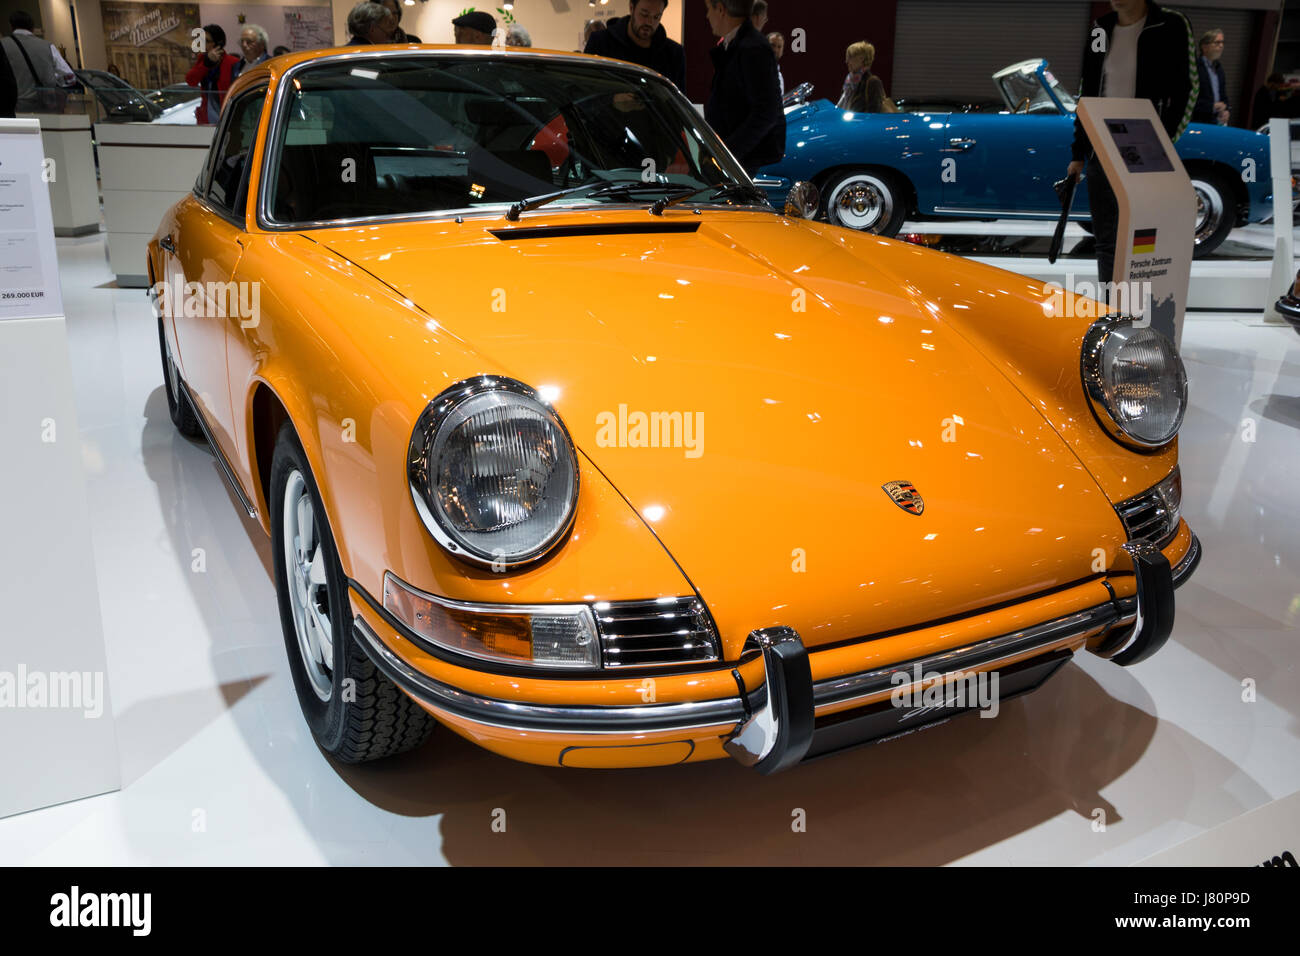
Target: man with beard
{"x": 639, "y": 38}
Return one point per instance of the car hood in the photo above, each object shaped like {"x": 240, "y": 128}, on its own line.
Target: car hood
{"x": 750, "y": 387}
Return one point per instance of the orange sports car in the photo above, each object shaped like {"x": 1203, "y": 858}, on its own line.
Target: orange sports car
{"x": 567, "y": 440}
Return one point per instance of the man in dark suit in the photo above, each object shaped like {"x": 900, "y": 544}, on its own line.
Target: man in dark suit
{"x": 1212, "y": 101}
{"x": 744, "y": 105}
{"x": 8, "y": 88}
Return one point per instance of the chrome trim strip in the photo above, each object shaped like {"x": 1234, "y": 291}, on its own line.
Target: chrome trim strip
{"x": 226, "y": 471}
{"x": 1003, "y": 213}
{"x": 507, "y": 715}
{"x": 991, "y": 651}
{"x": 697, "y": 715}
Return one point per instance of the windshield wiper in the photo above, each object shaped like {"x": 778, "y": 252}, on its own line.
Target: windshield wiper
{"x": 725, "y": 191}
{"x": 592, "y": 189}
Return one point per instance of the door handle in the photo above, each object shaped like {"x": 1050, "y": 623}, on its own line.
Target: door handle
{"x": 960, "y": 145}
{"x": 166, "y": 244}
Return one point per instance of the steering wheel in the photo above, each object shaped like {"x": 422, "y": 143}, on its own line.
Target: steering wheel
{"x": 1023, "y": 106}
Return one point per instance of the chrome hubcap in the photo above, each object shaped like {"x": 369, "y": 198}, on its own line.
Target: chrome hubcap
{"x": 1209, "y": 210}
{"x": 862, "y": 202}
{"x": 304, "y": 563}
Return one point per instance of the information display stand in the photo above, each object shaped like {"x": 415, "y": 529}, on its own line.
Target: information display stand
{"x": 57, "y": 739}
{"x": 1283, "y": 273}
{"x": 1157, "y": 210}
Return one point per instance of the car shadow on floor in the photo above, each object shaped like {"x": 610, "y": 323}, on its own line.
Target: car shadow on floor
{"x": 929, "y": 798}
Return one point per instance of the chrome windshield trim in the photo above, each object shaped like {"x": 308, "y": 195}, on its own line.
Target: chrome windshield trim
{"x": 985, "y": 653}
{"x": 285, "y": 83}
{"x": 508, "y": 715}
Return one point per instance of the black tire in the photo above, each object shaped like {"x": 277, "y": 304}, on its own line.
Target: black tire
{"x": 867, "y": 199}
{"x": 1216, "y": 210}
{"x": 377, "y": 720}
{"x": 178, "y": 402}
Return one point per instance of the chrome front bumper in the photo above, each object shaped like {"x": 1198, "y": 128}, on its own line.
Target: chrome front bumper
{"x": 788, "y": 717}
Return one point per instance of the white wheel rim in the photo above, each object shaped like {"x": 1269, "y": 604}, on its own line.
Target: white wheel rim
{"x": 308, "y": 585}
{"x": 1209, "y": 210}
{"x": 862, "y": 202}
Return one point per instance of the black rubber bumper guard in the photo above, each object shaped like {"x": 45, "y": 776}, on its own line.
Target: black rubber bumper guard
{"x": 784, "y": 730}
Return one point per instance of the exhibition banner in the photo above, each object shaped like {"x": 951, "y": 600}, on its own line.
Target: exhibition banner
{"x": 29, "y": 267}
{"x": 151, "y": 44}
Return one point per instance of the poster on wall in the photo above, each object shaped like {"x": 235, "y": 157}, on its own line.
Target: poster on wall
{"x": 149, "y": 43}
{"x": 309, "y": 28}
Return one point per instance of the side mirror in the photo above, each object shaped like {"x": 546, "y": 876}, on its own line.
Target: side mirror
{"x": 803, "y": 201}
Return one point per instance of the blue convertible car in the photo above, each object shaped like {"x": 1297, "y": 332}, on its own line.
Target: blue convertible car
{"x": 876, "y": 169}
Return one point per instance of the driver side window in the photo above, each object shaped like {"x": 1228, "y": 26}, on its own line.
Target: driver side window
{"x": 233, "y": 151}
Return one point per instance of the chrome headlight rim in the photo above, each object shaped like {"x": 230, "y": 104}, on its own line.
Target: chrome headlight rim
{"x": 423, "y": 438}
{"x": 1090, "y": 370}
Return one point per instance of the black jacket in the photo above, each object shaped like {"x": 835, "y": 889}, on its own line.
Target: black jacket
{"x": 663, "y": 55}
{"x": 1166, "y": 70}
{"x": 868, "y": 95}
{"x": 744, "y": 105}
{"x": 8, "y": 88}
{"x": 1203, "y": 112}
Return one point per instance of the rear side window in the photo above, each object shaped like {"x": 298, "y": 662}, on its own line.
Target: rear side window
{"x": 232, "y": 151}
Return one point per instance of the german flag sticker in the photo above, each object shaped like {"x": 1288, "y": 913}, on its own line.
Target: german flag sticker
{"x": 1144, "y": 240}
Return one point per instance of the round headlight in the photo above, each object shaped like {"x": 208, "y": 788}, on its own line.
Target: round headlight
{"x": 493, "y": 472}
{"x": 1135, "y": 381}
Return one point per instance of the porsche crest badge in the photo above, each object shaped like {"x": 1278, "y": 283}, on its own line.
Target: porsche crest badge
{"x": 905, "y": 495}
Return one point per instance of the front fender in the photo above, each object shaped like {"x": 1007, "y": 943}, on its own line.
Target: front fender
{"x": 354, "y": 365}
{"x": 1016, "y": 324}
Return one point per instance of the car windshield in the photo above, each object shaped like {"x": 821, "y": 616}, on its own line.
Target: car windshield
{"x": 428, "y": 134}
{"x": 1024, "y": 91}
{"x": 119, "y": 100}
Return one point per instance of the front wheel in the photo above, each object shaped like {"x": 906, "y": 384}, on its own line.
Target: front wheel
{"x": 182, "y": 413}
{"x": 354, "y": 712}
{"x": 868, "y": 200}
{"x": 1216, "y": 212}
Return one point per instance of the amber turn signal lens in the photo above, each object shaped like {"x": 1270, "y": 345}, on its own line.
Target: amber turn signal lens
{"x": 560, "y": 636}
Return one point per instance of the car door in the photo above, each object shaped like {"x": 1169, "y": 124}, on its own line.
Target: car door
{"x": 1004, "y": 164}
{"x": 208, "y": 243}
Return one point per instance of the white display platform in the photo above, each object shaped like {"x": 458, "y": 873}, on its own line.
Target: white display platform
{"x": 74, "y": 191}
{"x": 57, "y": 739}
{"x": 1254, "y": 838}
{"x": 144, "y": 169}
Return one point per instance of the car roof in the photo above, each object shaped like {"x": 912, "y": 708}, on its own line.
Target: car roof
{"x": 276, "y": 67}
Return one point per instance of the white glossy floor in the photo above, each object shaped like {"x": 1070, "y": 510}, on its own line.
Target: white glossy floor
{"x": 209, "y": 727}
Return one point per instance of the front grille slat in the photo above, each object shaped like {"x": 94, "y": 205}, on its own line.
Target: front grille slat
{"x": 657, "y": 633}
{"x": 1146, "y": 516}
